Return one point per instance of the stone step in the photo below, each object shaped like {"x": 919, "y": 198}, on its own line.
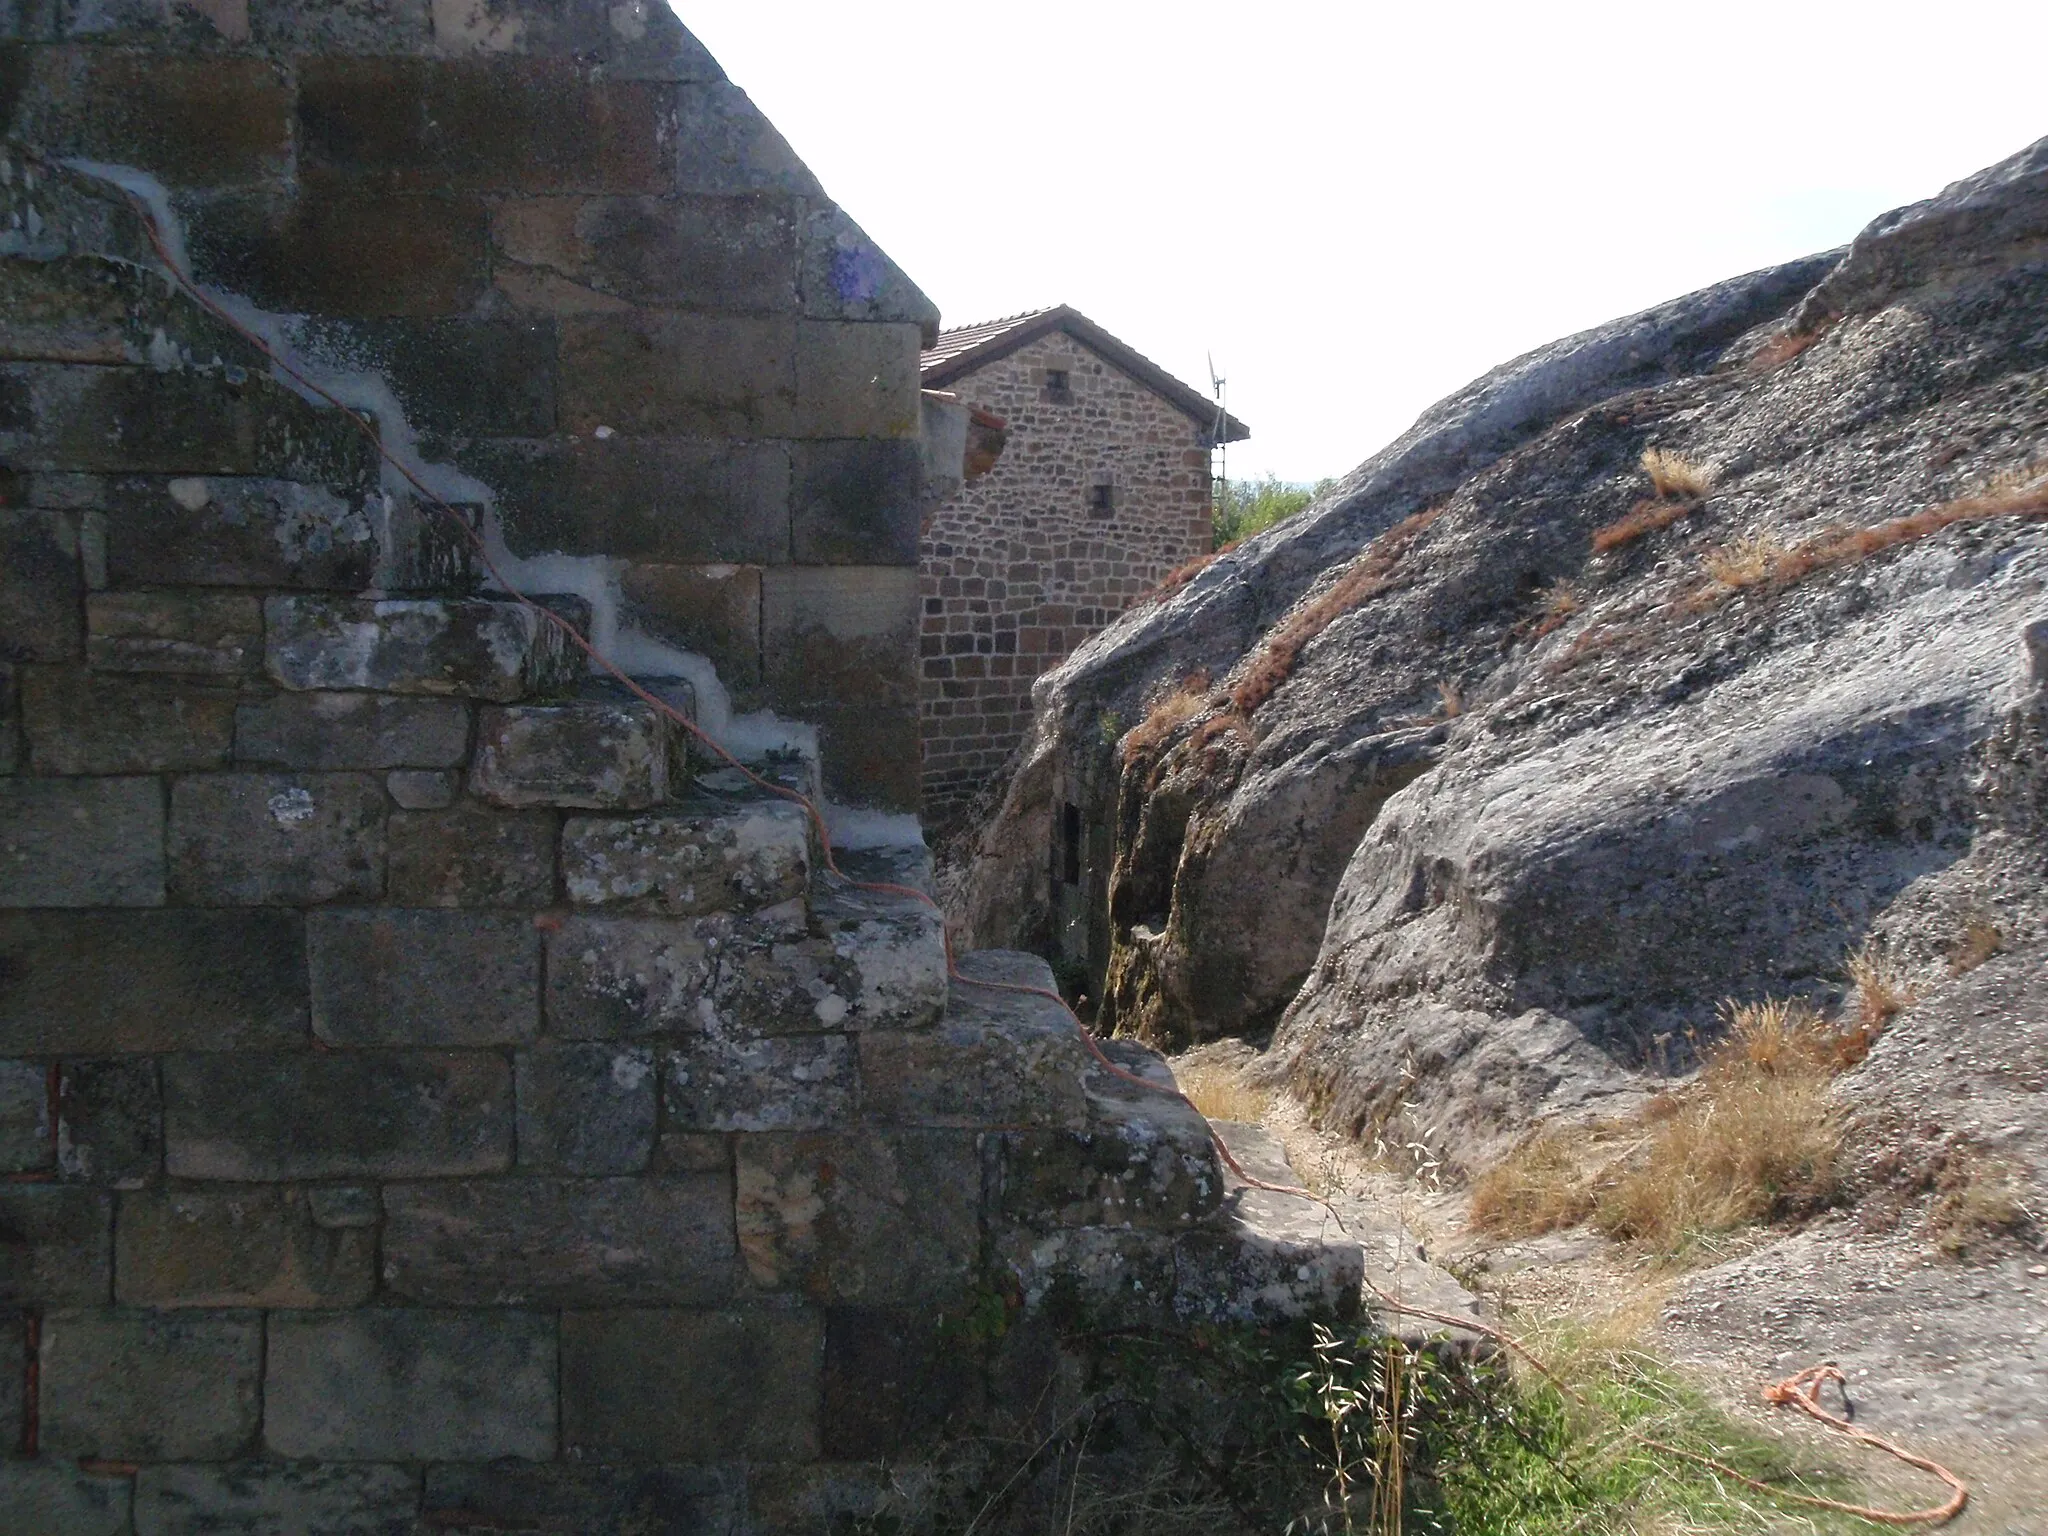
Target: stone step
{"x": 700, "y": 854}
{"x": 604, "y": 750}
{"x": 469, "y": 647}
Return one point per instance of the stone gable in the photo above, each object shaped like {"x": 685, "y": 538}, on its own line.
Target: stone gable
{"x": 1031, "y": 559}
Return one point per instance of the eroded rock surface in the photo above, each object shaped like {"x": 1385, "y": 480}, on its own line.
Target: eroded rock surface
{"x": 1523, "y": 813}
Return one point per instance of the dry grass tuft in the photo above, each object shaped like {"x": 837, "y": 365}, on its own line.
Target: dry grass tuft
{"x": 1644, "y": 517}
{"x": 1550, "y": 1181}
{"x": 1749, "y": 560}
{"x": 1181, "y": 575}
{"x": 1759, "y": 558}
{"x": 1188, "y": 698}
{"x": 1220, "y": 1092}
{"x": 1753, "y": 1137}
{"x": 1980, "y": 1200}
{"x": 1782, "y": 348}
{"x": 1676, "y": 477}
{"x": 1364, "y": 579}
{"x": 1978, "y": 942}
{"x": 1883, "y": 988}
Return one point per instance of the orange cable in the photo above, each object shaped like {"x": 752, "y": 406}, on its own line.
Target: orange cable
{"x": 1791, "y": 1390}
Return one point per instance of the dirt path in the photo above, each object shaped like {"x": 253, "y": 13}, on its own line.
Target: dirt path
{"x": 1949, "y": 1358}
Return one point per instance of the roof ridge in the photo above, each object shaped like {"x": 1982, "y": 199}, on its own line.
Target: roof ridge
{"x": 982, "y": 325}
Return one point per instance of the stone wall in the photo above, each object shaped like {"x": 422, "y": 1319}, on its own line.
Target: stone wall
{"x": 598, "y": 285}
{"x": 1025, "y": 564}
{"x": 435, "y": 1093}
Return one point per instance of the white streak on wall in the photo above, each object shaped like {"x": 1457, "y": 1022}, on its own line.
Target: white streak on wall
{"x": 594, "y": 578}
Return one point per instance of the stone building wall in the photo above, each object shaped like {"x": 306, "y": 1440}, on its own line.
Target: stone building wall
{"x": 435, "y": 1094}
{"x": 1021, "y": 567}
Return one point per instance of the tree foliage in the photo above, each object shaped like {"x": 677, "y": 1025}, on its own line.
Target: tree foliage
{"x": 1246, "y": 507}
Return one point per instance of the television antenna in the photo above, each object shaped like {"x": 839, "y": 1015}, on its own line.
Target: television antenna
{"x": 1219, "y": 440}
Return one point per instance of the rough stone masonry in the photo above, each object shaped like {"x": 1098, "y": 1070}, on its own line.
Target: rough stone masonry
{"x": 433, "y": 1093}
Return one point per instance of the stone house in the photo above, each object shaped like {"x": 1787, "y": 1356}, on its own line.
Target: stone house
{"x": 436, "y": 1090}
{"x": 1103, "y": 487}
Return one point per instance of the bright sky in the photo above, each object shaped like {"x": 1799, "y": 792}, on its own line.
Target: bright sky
{"x": 1359, "y": 206}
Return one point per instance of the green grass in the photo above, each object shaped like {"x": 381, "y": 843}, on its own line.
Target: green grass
{"x": 1514, "y": 1456}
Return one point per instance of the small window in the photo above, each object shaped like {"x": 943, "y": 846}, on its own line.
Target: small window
{"x": 1070, "y": 845}
{"x": 1101, "y": 500}
{"x": 1059, "y": 385}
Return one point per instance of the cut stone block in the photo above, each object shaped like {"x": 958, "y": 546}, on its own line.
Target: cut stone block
{"x": 351, "y": 730}
{"x": 252, "y": 1118}
{"x": 335, "y": 246}
{"x": 689, "y": 1501}
{"x": 83, "y": 722}
{"x": 586, "y": 755}
{"x": 688, "y": 861}
{"x": 796, "y": 1082}
{"x": 106, "y": 983}
{"x": 679, "y": 374}
{"x": 255, "y": 1246}
{"x": 669, "y": 251}
{"x": 997, "y": 1058}
{"x": 392, "y": 1384}
{"x": 388, "y": 976}
{"x": 256, "y": 1498}
{"x": 53, "y": 1498}
{"x": 211, "y": 531}
{"x": 893, "y": 949}
{"x": 672, "y": 500}
{"x": 846, "y": 276}
{"x": 59, "y": 1250}
{"x": 894, "y": 1381}
{"x": 109, "y": 1123}
{"x": 487, "y": 124}
{"x": 81, "y": 843}
{"x": 615, "y": 978}
{"x": 1117, "y": 1272}
{"x": 475, "y": 647}
{"x": 859, "y": 501}
{"x": 1136, "y": 1170}
{"x": 857, "y": 381}
{"x": 470, "y": 855}
{"x": 150, "y": 1386}
{"x": 663, "y": 1385}
{"x": 1278, "y": 1257}
{"x": 256, "y": 839}
{"x": 207, "y": 634}
{"x": 41, "y": 588}
{"x": 560, "y": 1242}
{"x": 877, "y": 1218}
{"x": 25, "y": 1143}
{"x": 422, "y": 789}
{"x": 726, "y": 146}
{"x": 714, "y": 610}
{"x": 586, "y": 1108}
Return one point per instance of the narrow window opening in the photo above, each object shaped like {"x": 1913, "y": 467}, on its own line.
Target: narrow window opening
{"x": 1070, "y": 845}
{"x": 1101, "y": 500}
{"x": 1059, "y": 385}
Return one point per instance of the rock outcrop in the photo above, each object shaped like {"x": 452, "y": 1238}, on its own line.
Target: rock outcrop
{"x": 1485, "y": 780}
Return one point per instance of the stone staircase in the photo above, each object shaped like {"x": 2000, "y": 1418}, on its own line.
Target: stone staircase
{"x": 555, "y": 1108}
